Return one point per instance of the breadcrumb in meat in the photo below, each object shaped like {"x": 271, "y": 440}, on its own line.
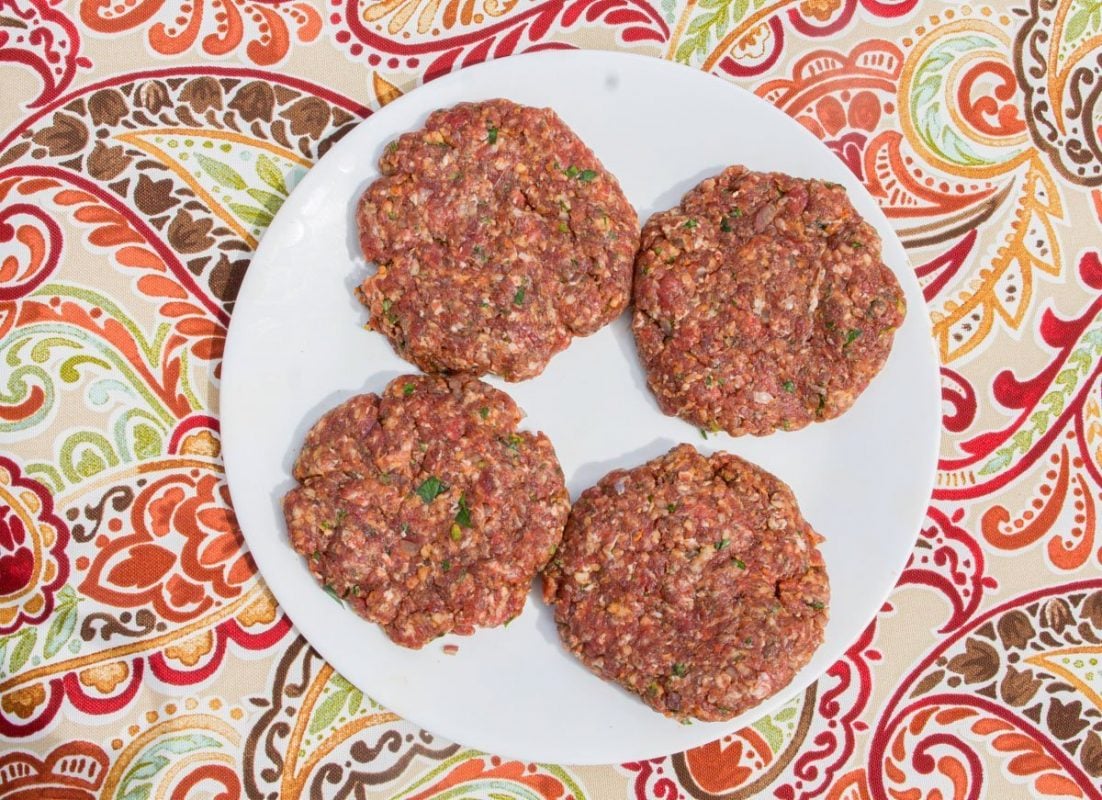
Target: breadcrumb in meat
{"x": 692, "y": 581}
{"x": 498, "y": 237}
{"x": 425, "y": 509}
{"x": 762, "y": 303}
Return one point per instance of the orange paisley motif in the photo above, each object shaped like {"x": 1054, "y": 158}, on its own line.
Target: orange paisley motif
{"x": 182, "y": 553}
{"x": 220, "y": 26}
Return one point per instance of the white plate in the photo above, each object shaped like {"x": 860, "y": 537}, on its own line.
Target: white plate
{"x": 297, "y": 348}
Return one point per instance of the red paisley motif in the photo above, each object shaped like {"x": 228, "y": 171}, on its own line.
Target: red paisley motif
{"x": 30, "y": 242}
{"x": 34, "y": 564}
{"x": 949, "y": 560}
{"x": 34, "y": 34}
{"x": 1023, "y": 397}
{"x": 519, "y": 29}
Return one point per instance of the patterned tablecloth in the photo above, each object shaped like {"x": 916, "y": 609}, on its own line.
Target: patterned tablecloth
{"x": 146, "y": 146}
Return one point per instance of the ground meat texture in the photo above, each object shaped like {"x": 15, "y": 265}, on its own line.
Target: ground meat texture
{"x": 425, "y": 509}
{"x": 691, "y": 581}
{"x": 498, "y": 237}
{"x": 761, "y": 303}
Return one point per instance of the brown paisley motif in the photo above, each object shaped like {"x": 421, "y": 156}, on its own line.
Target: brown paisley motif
{"x": 202, "y": 94}
{"x": 1018, "y": 683}
{"x": 67, "y": 135}
{"x": 254, "y": 101}
{"x": 1018, "y": 686}
{"x": 105, "y": 163}
{"x": 978, "y": 663}
{"x": 357, "y": 758}
{"x": 1090, "y": 755}
{"x": 102, "y": 132}
{"x": 106, "y": 107}
{"x": 1059, "y": 68}
{"x": 1015, "y": 630}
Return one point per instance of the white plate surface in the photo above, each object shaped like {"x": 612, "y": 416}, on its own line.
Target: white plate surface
{"x": 297, "y": 348}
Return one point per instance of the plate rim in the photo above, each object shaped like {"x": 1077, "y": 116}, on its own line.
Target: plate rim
{"x": 231, "y": 465}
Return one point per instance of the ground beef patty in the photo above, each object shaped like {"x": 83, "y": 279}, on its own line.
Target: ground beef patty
{"x": 498, "y": 236}
{"x": 692, "y": 581}
{"x": 425, "y": 509}
{"x": 761, "y": 303}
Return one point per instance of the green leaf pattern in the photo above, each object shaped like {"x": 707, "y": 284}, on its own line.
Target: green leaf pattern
{"x": 63, "y": 623}
{"x": 778, "y": 727}
{"x": 1064, "y": 386}
{"x": 341, "y": 702}
{"x": 252, "y": 195}
{"x": 710, "y": 25}
{"x": 1083, "y": 20}
{"x": 137, "y": 782}
{"x": 928, "y": 99}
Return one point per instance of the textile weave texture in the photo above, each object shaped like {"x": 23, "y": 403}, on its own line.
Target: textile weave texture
{"x": 145, "y": 147}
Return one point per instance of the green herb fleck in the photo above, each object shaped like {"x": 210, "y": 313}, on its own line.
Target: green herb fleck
{"x": 384, "y": 478}
{"x": 822, "y": 404}
{"x": 392, "y": 146}
{"x": 736, "y": 212}
{"x": 463, "y": 516}
{"x": 329, "y": 590}
{"x": 456, "y": 532}
{"x": 518, "y": 298}
{"x": 484, "y": 412}
{"x": 703, "y": 434}
{"x": 690, "y": 224}
{"x": 564, "y": 228}
{"x": 680, "y": 669}
{"x": 671, "y": 507}
{"x": 571, "y": 171}
{"x": 652, "y": 688}
{"x": 722, "y": 543}
{"x": 789, "y": 386}
{"x": 430, "y": 488}
{"x": 851, "y": 336}
{"x": 856, "y": 245}
{"x": 817, "y": 605}
{"x": 738, "y": 562}
{"x": 724, "y": 225}
{"x": 316, "y": 555}
{"x": 342, "y": 515}
{"x": 491, "y": 135}
{"x": 326, "y": 525}
{"x": 479, "y": 251}
{"x": 708, "y": 381}
{"x": 407, "y": 390}
{"x": 513, "y": 442}
{"x": 586, "y": 175}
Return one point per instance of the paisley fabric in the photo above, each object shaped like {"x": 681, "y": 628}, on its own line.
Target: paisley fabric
{"x": 146, "y": 144}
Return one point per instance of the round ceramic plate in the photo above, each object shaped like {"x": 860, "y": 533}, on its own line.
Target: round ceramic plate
{"x": 297, "y": 348}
